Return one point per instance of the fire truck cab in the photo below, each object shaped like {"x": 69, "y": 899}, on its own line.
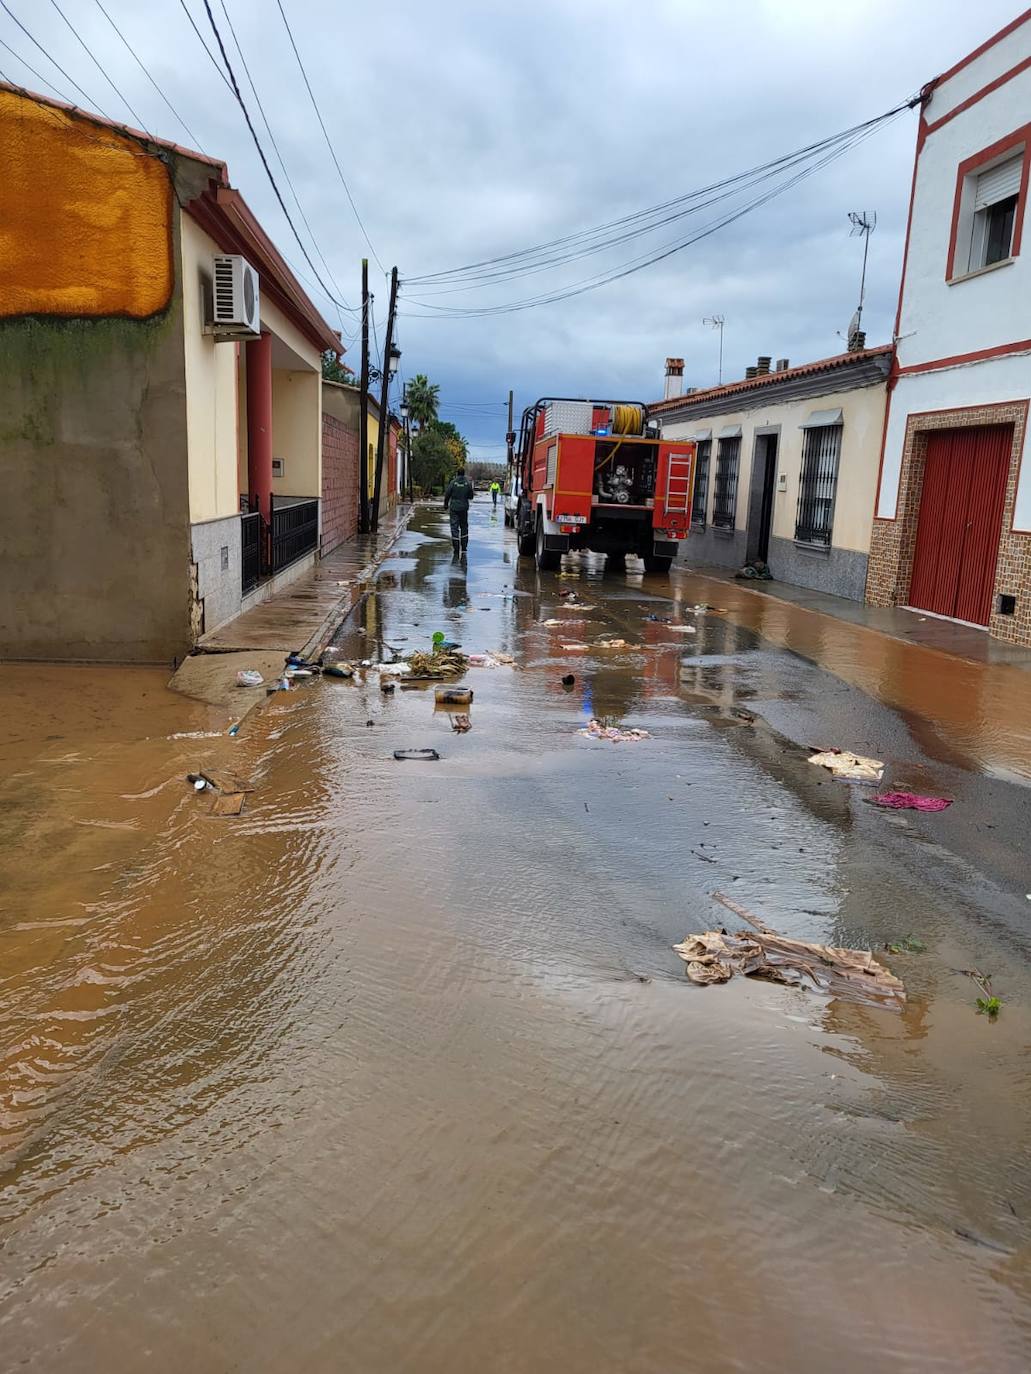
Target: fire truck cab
{"x": 596, "y": 475}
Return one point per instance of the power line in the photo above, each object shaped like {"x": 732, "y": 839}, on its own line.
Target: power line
{"x": 585, "y": 242}
{"x": 325, "y": 134}
{"x": 279, "y": 155}
{"x": 194, "y": 140}
{"x": 213, "y": 59}
{"x": 666, "y": 250}
{"x": 89, "y": 53}
{"x": 261, "y": 152}
{"x": 38, "y": 75}
{"x": 88, "y": 99}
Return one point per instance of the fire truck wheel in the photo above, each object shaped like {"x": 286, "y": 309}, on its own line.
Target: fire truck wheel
{"x": 656, "y": 563}
{"x": 527, "y": 545}
{"x": 547, "y": 559}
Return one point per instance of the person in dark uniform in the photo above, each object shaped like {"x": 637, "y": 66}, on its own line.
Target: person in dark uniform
{"x": 456, "y": 502}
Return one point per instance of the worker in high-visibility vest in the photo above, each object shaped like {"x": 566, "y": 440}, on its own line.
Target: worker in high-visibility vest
{"x": 495, "y": 492}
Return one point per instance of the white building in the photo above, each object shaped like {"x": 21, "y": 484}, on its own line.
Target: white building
{"x": 952, "y": 528}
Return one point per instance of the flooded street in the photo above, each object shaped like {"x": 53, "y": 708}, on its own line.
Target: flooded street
{"x": 398, "y": 1071}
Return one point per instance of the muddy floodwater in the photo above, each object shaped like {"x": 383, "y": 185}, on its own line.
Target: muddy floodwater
{"x": 397, "y": 1071}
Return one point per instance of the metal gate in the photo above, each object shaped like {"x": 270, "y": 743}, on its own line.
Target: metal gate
{"x": 957, "y": 538}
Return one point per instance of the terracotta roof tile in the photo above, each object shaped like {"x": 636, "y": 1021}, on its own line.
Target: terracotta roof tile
{"x": 840, "y": 360}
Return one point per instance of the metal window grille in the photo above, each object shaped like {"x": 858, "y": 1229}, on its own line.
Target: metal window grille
{"x": 820, "y": 453}
{"x": 250, "y": 536}
{"x": 701, "y": 482}
{"x": 295, "y": 532}
{"x": 724, "y": 507}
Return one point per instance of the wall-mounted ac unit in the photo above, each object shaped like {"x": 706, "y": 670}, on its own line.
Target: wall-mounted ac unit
{"x": 235, "y": 293}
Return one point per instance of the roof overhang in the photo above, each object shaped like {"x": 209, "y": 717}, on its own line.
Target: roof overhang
{"x": 225, "y": 216}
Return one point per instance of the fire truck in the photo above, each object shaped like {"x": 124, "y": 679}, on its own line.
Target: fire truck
{"x": 596, "y": 475}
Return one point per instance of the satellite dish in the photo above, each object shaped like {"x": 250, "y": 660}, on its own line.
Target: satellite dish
{"x": 853, "y": 326}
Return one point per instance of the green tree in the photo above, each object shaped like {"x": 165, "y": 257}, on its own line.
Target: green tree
{"x": 423, "y": 399}
{"x": 333, "y": 370}
{"x": 438, "y": 451}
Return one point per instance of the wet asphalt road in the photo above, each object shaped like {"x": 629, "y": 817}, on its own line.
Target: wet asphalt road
{"x": 399, "y": 1072}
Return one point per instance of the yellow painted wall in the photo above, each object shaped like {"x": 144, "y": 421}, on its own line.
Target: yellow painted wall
{"x": 373, "y": 443}
{"x": 297, "y": 432}
{"x": 212, "y": 409}
{"x": 85, "y": 217}
{"x": 863, "y": 417}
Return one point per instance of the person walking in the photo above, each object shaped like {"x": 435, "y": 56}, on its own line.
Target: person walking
{"x": 456, "y": 502}
{"x": 495, "y": 492}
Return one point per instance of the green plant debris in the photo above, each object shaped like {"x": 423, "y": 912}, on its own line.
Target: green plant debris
{"x": 909, "y": 944}
{"x": 989, "y": 1006}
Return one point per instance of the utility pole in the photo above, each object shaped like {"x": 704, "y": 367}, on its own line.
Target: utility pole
{"x": 510, "y": 436}
{"x": 408, "y": 456}
{"x": 384, "y": 414}
{"x": 717, "y": 322}
{"x": 363, "y": 410}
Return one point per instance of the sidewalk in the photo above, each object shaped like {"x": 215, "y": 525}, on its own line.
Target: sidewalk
{"x": 303, "y": 617}
{"x": 912, "y": 627}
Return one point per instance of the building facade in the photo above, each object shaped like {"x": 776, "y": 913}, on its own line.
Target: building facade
{"x": 952, "y": 533}
{"x": 786, "y": 467}
{"x": 157, "y": 472}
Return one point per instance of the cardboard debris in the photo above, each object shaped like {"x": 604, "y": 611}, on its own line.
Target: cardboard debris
{"x": 852, "y": 974}
{"x": 596, "y": 730}
{"x": 851, "y": 767}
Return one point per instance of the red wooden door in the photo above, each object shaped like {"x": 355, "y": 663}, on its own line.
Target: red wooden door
{"x": 957, "y": 537}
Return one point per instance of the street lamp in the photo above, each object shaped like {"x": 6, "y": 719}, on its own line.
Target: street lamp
{"x": 404, "y": 408}
{"x": 393, "y": 358}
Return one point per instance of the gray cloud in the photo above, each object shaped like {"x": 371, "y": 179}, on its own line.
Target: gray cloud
{"x": 469, "y": 130}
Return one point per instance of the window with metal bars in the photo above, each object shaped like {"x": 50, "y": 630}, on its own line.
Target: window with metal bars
{"x": 724, "y": 506}
{"x": 818, "y": 485}
{"x": 701, "y": 482}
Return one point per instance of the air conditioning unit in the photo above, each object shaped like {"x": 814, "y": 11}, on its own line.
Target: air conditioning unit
{"x": 235, "y": 293}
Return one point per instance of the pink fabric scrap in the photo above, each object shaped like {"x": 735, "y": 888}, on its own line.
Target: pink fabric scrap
{"x": 911, "y": 801}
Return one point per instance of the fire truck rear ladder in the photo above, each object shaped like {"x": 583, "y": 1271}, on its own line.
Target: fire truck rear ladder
{"x": 678, "y": 484}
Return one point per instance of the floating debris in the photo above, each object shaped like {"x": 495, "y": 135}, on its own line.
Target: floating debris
{"x": 851, "y": 767}
{"x": 596, "y": 729}
{"x": 909, "y": 801}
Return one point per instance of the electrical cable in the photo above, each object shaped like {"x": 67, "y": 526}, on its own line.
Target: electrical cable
{"x": 282, "y": 163}
{"x": 645, "y": 260}
{"x": 582, "y": 239}
{"x": 261, "y": 152}
{"x": 38, "y": 75}
{"x": 194, "y": 140}
{"x": 89, "y": 53}
{"x": 325, "y": 134}
{"x": 211, "y": 56}
{"x": 88, "y": 99}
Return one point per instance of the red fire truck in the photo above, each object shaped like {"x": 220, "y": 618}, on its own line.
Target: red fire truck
{"x": 596, "y": 475}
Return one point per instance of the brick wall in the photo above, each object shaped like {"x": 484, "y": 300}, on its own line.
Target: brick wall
{"x": 893, "y": 542}
{"x": 339, "y": 483}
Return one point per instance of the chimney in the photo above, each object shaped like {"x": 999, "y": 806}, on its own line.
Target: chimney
{"x": 674, "y": 379}
{"x": 762, "y": 365}
{"x": 782, "y": 364}
{"x": 857, "y": 341}
{"x": 750, "y": 372}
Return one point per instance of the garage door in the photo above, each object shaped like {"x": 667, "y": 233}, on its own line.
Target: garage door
{"x": 960, "y": 520}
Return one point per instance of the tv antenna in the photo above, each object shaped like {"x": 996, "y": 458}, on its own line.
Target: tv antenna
{"x": 863, "y": 224}
{"x": 717, "y": 322}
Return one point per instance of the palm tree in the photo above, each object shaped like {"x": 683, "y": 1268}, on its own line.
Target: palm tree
{"x": 423, "y": 399}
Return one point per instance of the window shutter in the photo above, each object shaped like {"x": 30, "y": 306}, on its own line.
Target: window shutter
{"x": 999, "y": 183}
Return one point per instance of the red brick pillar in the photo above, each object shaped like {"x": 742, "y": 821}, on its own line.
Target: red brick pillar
{"x": 259, "y": 423}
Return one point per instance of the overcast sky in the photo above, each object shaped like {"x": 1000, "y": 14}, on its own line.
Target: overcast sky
{"x": 469, "y": 130}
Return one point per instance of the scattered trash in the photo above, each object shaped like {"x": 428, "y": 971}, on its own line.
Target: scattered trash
{"x": 987, "y": 1004}
{"x": 493, "y": 659}
{"x": 756, "y": 571}
{"x": 684, "y": 629}
{"x": 460, "y": 724}
{"x": 198, "y": 783}
{"x": 387, "y": 688}
{"x": 569, "y": 680}
{"x": 291, "y": 672}
{"x": 337, "y": 670}
{"x": 442, "y": 663}
{"x": 453, "y": 696}
{"x": 854, "y": 974}
{"x": 851, "y": 767}
{"x": 415, "y": 755}
{"x": 580, "y": 648}
{"x": 231, "y": 790}
{"x": 282, "y": 685}
{"x": 249, "y": 677}
{"x": 595, "y": 729}
{"x": 909, "y": 801}
{"x": 745, "y": 716}
{"x": 234, "y": 730}
{"x": 909, "y": 944}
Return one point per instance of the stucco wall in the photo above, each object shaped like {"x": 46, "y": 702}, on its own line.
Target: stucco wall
{"x": 212, "y": 405}
{"x": 93, "y": 465}
{"x": 863, "y": 420}
{"x": 296, "y": 432}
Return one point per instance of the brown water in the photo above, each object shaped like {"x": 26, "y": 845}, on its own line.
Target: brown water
{"x": 397, "y": 1071}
